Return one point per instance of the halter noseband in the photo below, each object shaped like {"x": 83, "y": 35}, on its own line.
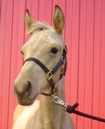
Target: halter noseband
{"x": 50, "y": 72}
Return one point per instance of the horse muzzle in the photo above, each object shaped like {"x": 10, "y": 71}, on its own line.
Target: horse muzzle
{"x": 23, "y": 92}
{"x": 25, "y": 100}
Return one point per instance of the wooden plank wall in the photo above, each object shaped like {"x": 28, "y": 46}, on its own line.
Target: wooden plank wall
{"x": 84, "y": 35}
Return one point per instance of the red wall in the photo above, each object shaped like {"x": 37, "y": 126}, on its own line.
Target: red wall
{"x": 85, "y": 38}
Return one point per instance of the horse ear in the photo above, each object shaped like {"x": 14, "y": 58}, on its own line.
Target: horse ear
{"x": 29, "y": 22}
{"x": 58, "y": 19}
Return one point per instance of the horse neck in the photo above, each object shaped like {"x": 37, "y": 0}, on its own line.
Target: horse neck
{"x": 50, "y": 115}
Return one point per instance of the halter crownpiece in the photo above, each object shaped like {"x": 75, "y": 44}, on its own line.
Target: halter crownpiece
{"x": 50, "y": 72}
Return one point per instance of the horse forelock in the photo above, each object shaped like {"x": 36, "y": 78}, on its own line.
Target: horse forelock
{"x": 38, "y": 26}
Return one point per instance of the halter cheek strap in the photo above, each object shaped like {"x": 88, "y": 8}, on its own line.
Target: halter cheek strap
{"x": 50, "y": 72}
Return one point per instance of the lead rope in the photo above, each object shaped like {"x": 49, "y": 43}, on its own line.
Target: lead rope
{"x": 71, "y": 109}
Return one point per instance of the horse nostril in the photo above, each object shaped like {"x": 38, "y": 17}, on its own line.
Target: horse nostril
{"x": 29, "y": 88}
{"x": 23, "y": 89}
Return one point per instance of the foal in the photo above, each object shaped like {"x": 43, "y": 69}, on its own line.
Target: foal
{"x": 44, "y": 64}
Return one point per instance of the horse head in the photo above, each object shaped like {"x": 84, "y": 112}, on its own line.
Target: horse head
{"x": 46, "y": 46}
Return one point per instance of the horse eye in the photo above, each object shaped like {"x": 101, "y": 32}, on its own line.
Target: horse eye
{"x": 54, "y": 50}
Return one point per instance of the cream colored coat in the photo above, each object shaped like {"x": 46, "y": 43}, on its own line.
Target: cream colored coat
{"x": 31, "y": 81}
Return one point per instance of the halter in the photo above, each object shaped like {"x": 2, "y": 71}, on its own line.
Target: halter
{"x": 50, "y": 72}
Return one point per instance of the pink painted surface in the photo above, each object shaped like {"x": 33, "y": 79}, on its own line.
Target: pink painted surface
{"x": 84, "y": 35}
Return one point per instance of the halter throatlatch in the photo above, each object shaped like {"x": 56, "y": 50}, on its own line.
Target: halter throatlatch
{"x": 50, "y": 72}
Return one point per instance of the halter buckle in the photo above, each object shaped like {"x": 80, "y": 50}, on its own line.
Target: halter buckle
{"x": 65, "y": 48}
{"x": 49, "y": 75}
